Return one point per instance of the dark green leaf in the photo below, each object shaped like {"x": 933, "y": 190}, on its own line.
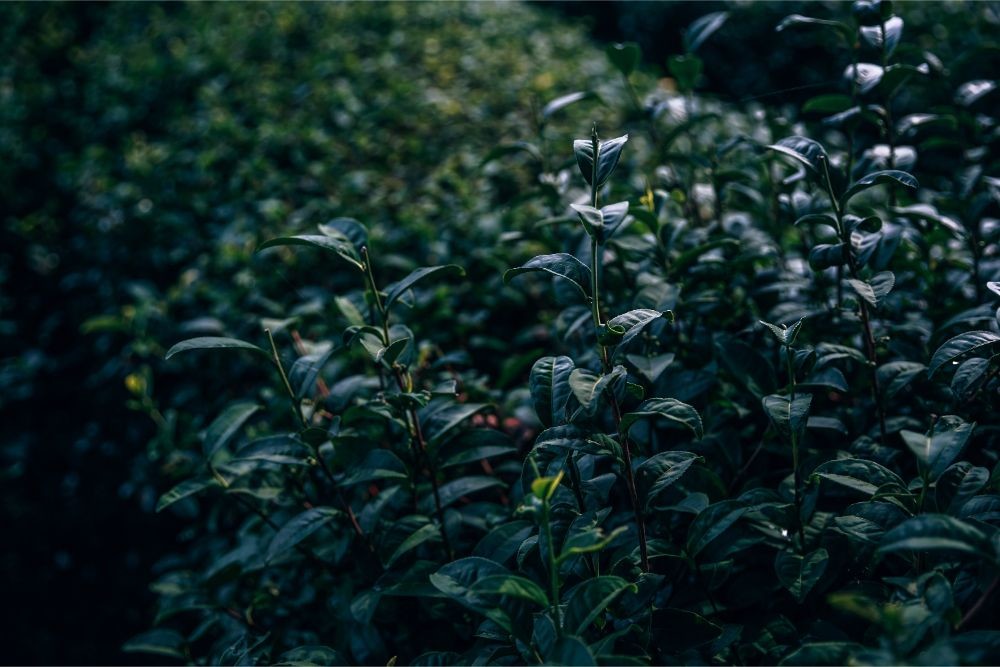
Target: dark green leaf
{"x": 799, "y": 574}
{"x": 939, "y": 533}
{"x": 959, "y": 346}
{"x": 890, "y": 176}
{"x": 804, "y": 151}
{"x": 184, "y": 490}
{"x": 661, "y": 470}
{"x": 702, "y": 28}
{"x": 939, "y": 448}
{"x": 212, "y": 343}
{"x": 426, "y": 533}
{"x": 561, "y": 265}
{"x": 398, "y": 289}
{"x": 842, "y": 29}
{"x": 340, "y": 246}
{"x": 665, "y": 408}
{"x": 564, "y": 101}
{"x": 512, "y": 585}
{"x": 589, "y": 600}
{"x": 624, "y": 56}
{"x": 788, "y": 416}
{"x": 550, "y": 389}
{"x": 608, "y": 154}
{"x": 858, "y": 474}
{"x": 226, "y": 425}
{"x": 299, "y": 528}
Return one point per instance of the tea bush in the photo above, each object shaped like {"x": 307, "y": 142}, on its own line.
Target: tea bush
{"x": 572, "y": 365}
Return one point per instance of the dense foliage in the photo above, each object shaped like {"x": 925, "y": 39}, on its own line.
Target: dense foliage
{"x": 493, "y": 348}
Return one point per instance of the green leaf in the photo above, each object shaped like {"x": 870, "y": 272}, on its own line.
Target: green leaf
{"x": 426, "y": 533}
{"x": 398, "y": 289}
{"x": 212, "y": 343}
{"x": 799, "y": 574}
{"x": 457, "y": 580}
{"x": 894, "y": 376}
{"x": 601, "y": 224}
{"x": 278, "y": 449}
{"x": 464, "y": 486}
{"x": 866, "y": 76}
{"x": 784, "y": 334}
{"x": 970, "y": 375}
{"x": 517, "y": 147}
{"x": 564, "y": 101}
{"x": 184, "y": 490}
{"x": 860, "y": 475}
{"x": 960, "y": 345}
{"x": 939, "y": 448}
{"x": 712, "y": 522}
{"x": 891, "y": 176}
{"x": 831, "y": 653}
{"x": 544, "y": 488}
{"x": 633, "y": 322}
{"x": 588, "y": 387}
{"x": 702, "y": 28}
{"x": 747, "y": 366}
{"x": 158, "y": 641}
{"x": 309, "y": 656}
{"x": 348, "y": 229}
{"x": 570, "y": 651}
{"x": 439, "y": 425}
{"x": 624, "y": 56}
{"x": 939, "y": 533}
{"x": 660, "y": 471}
{"x": 550, "y": 389}
{"x": 651, "y": 368}
{"x": 512, "y": 585}
{"x": 377, "y": 464}
{"x": 474, "y": 445}
{"x": 863, "y": 290}
{"x": 665, "y": 408}
{"x": 608, "y": 154}
{"x": 587, "y": 541}
{"x": 560, "y": 265}
{"x": 686, "y": 69}
{"x": 299, "y": 528}
{"x": 791, "y": 20}
{"x": 306, "y": 370}
{"x": 893, "y": 27}
{"x": 825, "y": 255}
{"x": 589, "y": 600}
{"x": 972, "y": 91}
{"x": 804, "y": 151}
{"x": 789, "y": 417}
{"x": 339, "y": 246}
{"x": 225, "y": 426}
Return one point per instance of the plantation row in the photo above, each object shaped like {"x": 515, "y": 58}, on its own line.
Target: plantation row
{"x": 686, "y": 385}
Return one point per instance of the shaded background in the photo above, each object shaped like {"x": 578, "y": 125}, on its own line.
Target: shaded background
{"x": 227, "y": 113}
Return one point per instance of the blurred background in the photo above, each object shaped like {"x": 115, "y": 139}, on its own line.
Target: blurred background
{"x": 146, "y": 149}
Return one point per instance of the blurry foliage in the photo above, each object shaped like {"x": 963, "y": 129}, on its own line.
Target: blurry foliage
{"x": 150, "y": 149}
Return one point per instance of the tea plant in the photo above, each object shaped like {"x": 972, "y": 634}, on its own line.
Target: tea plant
{"x": 730, "y": 424}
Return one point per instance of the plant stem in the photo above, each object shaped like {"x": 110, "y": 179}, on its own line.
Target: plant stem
{"x": 319, "y": 456}
{"x": 284, "y": 380}
{"x": 616, "y": 411}
{"x": 404, "y": 382}
{"x": 790, "y": 362}
{"x": 869, "y": 338}
{"x": 553, "y": 568}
